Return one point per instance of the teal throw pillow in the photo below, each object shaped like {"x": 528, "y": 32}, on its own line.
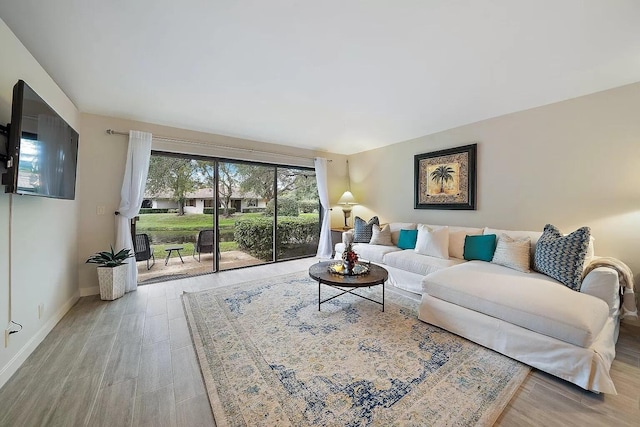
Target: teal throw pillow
{"x": 407, "y": 239}
{"x": 480, "y": 247}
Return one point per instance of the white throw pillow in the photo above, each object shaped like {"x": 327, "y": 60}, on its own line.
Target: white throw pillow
{"x": 513, "y": 253}
{"x": 433, "y": 241}
{"x": 533, "y": 235}
{"x": 381, "y": 236}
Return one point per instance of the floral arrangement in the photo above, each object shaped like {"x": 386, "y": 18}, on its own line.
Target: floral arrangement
{"x": 349, "y": 255}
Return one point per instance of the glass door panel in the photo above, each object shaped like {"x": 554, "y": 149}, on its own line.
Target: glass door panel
{"x": 245, "y": 220}
{"x": 175, "y": 219}
{"x": 298, "y": 213}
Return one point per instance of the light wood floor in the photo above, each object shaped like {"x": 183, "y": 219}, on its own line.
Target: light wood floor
{"x": 131, "y": 362}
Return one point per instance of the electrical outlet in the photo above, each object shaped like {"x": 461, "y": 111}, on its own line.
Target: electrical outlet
{"x": 6, "y": 338}
{"x": 40, "y": 311}
{"x": 100, "y": 210}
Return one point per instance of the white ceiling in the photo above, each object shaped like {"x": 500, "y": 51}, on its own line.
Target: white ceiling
{"x": 336, "y": 75}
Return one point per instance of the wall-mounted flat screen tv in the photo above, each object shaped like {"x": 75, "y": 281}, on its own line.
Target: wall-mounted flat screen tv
{"x": 42, "y": 148}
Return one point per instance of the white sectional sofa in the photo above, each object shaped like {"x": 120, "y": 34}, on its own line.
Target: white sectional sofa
{"x": 529, "y": 317}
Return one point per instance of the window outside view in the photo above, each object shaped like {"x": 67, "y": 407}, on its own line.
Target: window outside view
{"x": 178, "y": 217}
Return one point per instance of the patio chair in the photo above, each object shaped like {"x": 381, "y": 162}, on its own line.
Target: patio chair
{"x": 204, "y": 243}
{"x": 144, "y": 251}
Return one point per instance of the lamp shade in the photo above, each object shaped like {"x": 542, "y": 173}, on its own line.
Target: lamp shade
{"x": 347, "y": 199}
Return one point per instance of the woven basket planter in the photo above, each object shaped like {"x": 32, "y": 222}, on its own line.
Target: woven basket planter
{"x": 112, "y": 282}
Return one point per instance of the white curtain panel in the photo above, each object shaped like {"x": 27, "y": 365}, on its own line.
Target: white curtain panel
{"x": 324, "y": 245}
{"x": 131, "y": 196}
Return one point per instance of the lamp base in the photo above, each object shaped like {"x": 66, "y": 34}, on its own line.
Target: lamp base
{"x": 347, "y": 213}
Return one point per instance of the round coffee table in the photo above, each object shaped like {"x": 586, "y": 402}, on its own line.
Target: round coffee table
{"x": 347, "y": 284}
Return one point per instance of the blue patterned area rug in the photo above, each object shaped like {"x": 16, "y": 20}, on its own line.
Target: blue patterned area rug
{"x": 270, "y": 358}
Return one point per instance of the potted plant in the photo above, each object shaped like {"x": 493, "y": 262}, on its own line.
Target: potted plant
{"x": 112, "y": 272}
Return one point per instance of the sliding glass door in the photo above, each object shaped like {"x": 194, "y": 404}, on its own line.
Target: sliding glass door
{"x": 246, "y": 227}
{"x": 202, "y": 215}
{"x": 298, "y": 213}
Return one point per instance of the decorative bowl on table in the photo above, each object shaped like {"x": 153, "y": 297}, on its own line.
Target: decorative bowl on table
{"x": 357, "y": 270}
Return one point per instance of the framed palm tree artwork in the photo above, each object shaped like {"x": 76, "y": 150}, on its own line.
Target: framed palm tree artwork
{"x": 446, "y": 179}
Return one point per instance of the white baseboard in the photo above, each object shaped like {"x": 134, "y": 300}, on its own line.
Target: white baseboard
{"x": 85, "y": 292}
{"x": 10, "y": 368}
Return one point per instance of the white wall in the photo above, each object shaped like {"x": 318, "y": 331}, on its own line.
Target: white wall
{"x": 165, "y": 204}
{"x": 572, "y": 163}
{"x": 101, "y": 166}
{"x": 44, "y": 231}
{"x": 199, "y": 206}
{"x": 197, "y": 209}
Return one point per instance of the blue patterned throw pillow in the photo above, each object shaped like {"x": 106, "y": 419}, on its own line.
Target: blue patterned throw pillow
{"x": 562, "y": 257}
{"x": 363, "y": 230}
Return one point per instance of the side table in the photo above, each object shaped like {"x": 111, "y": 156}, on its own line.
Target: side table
{"x": 170, "y": 249}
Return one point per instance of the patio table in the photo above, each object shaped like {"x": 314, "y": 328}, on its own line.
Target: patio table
{"x": 170, "y": 249}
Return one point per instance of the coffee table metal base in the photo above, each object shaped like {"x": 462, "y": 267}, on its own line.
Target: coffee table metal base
{"x": 348, "y": 291}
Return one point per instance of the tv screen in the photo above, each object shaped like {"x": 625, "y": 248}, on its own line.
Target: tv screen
{"x": 43, "y": 148}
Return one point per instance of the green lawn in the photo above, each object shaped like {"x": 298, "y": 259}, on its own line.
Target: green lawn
{"x": 188, "y": 224}
{"x": 167, "y": 225}
{"x": 174, "y": 222}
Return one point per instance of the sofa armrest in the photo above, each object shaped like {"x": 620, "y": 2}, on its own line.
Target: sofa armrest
{"x": 603, "y": 283}
{"x": 347, "y": 237}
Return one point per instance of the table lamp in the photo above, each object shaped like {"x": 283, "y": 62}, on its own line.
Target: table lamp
{"x": 347, "y": 201}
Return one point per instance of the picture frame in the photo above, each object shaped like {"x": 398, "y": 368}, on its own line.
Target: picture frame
{"x": 446, "y": 179}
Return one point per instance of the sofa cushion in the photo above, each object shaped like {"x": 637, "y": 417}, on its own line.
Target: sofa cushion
{"x": 363, "y": 230}
{"x": 381, "y": 235}
{"x": 530, "y": 300}
{"x": 407, "y": 239}
{"x": 456, "y": 239}
{"x": 479, "y": 247}
{"x": 513, "y": 253}
{"x": 433, "y": 241}
{"x": 367, "y": 252}
{"x": 413, "y": 262}
{"x": 562, "y": 257}
{"x": 395, "y": 228}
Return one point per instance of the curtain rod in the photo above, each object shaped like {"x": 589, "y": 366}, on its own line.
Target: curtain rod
{"x": 207, "y": 144}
